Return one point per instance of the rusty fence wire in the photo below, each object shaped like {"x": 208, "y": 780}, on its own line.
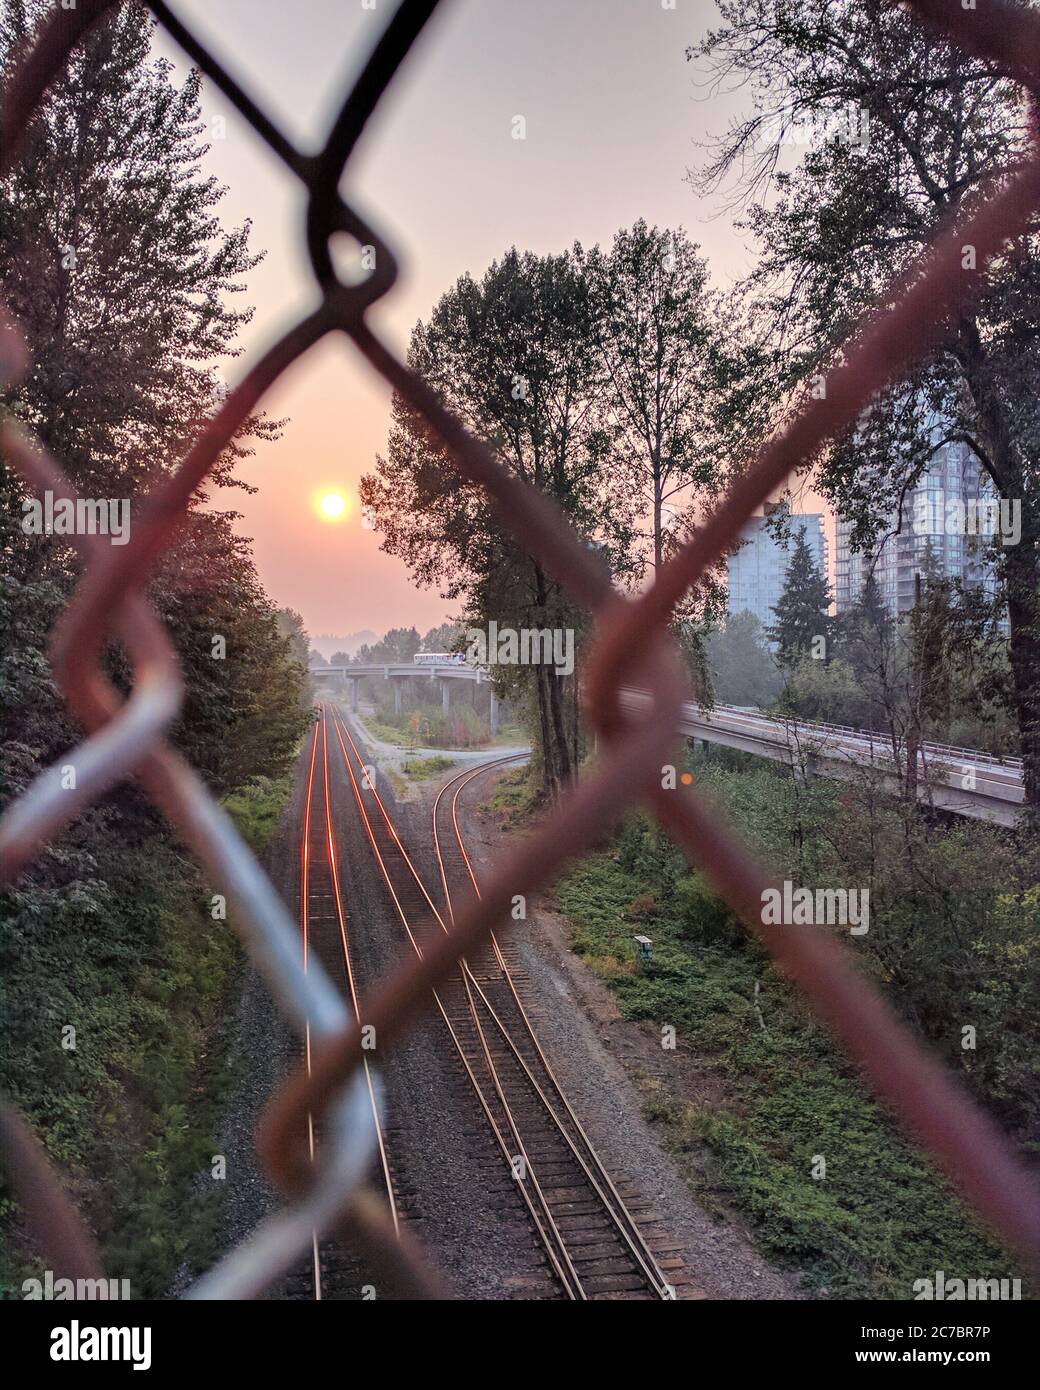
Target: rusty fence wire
{"x": 631, "y": 648}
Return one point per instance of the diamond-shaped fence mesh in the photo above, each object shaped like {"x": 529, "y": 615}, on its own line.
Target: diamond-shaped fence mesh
{"x": 631, "y": 648}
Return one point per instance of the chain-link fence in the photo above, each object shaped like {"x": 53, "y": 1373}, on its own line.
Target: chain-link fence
{"x": 631, "y": 649}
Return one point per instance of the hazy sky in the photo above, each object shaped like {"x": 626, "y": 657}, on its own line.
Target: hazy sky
{"x": 612, "y": 114}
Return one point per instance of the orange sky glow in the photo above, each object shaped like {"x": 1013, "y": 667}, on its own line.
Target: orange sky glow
{"x": 613, "y": 116}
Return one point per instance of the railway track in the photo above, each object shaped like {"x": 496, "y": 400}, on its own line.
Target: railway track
{"x": 588, "y": 1233}
{"x": 332, "y": 1270}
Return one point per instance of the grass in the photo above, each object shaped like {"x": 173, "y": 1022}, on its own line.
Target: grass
{"x": 510, "y": 736}
{"x": 516, "y": 797}
{"x": 430, "y": 727}
{"x": 131, "y": 1114}
{"x": 770, "y": 1093}
{"x": 386, "y": 733}
{"x": 420, "y": 768}
{"x": 256, "y": 807}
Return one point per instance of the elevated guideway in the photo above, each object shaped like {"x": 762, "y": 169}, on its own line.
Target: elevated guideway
{"x": 396, "y": 672}
{"x": 962, "y": 780}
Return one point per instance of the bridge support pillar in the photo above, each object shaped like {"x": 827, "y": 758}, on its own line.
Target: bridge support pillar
{"x": 445, "y": 698}
{"x": 397, "y": 696}
{"x": 493, "y": 713}
{"x": 354, "y": 694}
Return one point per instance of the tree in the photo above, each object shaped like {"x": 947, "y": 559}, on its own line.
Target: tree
{"x": 655, "y": 321}
{"x": 401, "y": 644}
{"x": 802, "y": 617}
{"x": 824, "y": 690}
{"x": 947, "y": 633}
{"x": 908, "y": 127}
{"x": 514, "y": 357}
{"x": 447, "y": 637}
{"x": 123, "y": 283}
{"x": 247, "y": 693}
{"x": 397, "y": 645}
{"x": 114, "y": 264}
{"x": 865, "y": 639}
{"x": 868, "y": 619}
{"x": 291, "y": 627}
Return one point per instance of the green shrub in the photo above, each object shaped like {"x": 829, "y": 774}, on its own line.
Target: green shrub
{"x": 256, "y": 807}
{"x": 420, "y": 768}
{"x": 127, "y": 953}
{"x": 783, "y": 1093}
{"x": 1005, "y": 1012}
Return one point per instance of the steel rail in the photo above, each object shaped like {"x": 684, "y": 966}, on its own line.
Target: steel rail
{"x": 589, "y": 1162}
{"x": 348, "y": 966}
{"x": 305, "y": 886}
{"x": 626, "y": 1223}
{"x": 540, "y": 1211}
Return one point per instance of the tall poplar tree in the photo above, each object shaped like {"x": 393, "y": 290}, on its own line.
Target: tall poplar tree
{"x": 656, "y": 322}
{"x": 514, "y": 356}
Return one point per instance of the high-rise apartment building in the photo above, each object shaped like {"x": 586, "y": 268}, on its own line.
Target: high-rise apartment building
{"x": 947, "y": 523}
{"x": 756, "y": 570}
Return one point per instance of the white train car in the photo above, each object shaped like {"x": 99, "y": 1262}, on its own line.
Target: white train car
{"x": 439, "y": 659}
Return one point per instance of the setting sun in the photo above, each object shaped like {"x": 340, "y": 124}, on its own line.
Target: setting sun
{"x": 332, "y": 506}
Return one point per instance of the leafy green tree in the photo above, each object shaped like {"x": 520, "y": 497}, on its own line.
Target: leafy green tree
{"x": 446, "y": 637}
{"x": 906, "y": 128}
{"x": 1005, "y": 998}
{"x": 656, "y": 322}
{"x": 948, "y": 636}
{"x": 291, "y": 627}
{"x": 515, "y": 357}
{"x": 802, "y": 617}
{"x": 115, "y": 265}
{"x": 824, "y": 690}
{"x": 865, "y": 640}
{"x": 402, "y": 643}
{"x": 123, "y": 284}
{"x": 247, "y": 692}
{"x": 397, "y": 645}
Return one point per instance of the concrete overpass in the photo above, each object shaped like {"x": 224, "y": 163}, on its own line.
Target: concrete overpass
{"x": 408, "y": 670}
{"x": 962, "y": 780}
